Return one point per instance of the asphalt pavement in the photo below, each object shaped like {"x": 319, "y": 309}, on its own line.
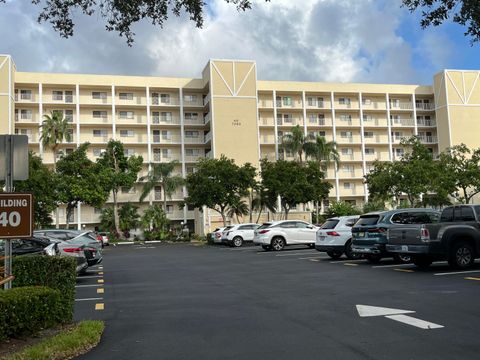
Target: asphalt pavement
{"x": 182, "y": 301}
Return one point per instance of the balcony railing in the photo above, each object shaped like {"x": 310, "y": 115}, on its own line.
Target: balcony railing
{"x": 401, "y": 106}
{"x": 193, "y": 103}
{"x": 194, "y": 121}
{"x": 160, "y": 157}
{"x": 166, "y": 139}
{"x": 208, "y": 137}
{"x": 165, "y": 120}
{"x": 25, "y": 97}
{"x": 289, "y": 121}
{"x": 172, "y": 101}
{"x": 429, "y": 139}
{"x": 426, "y": 123}
{"x": 194, "y": 140}
{"x": 373, "y": 105}
{"x": 402, "y": 122}
{"x": 266, "y": 139}
{"x": 425, "y": 106}
{"x": 266, "y": 121}
{"x": 194, "y": 158}
{"x": 294, "y": 104}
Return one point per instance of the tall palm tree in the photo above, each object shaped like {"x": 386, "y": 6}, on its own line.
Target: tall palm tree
{"x": 322, "y": 151}
{"x": 295, "y": 142}
{"x": 55, "y": 129}
{"x": 262, "y": 200}
{"x": 239, "y": 208}
{"x": 162, "y": 174}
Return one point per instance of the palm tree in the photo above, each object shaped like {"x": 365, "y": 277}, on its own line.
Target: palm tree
{"x": 55, "y": 129}
{"x": 162, "y": 174}
{"x": 322, "y": 151}
{"x": 263, "y": 200}
{"x": 295, "y": 142}
{"x": 238, "y": 208}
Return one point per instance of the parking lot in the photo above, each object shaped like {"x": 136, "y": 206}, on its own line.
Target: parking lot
{"x": 215, "y": 302}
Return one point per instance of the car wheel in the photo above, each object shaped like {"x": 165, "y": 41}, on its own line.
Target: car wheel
{"x": 334, "y": 254}
{"x": 422, "y": 262}
{"x": 349, "y": 253}
{"x": 373, "y": 259}
{"x": 278, "y": 243}
{"x": 402, "y": 258}
{"x": 266, "y": 247}
{"x": 461, "y": 255}
{"x": 237, "y": 241}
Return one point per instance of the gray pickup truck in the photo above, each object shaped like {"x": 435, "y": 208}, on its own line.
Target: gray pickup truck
{"x": 456, "y": 238}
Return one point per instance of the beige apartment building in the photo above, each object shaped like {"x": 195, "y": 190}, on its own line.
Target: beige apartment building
{"x": 228, "y": 111}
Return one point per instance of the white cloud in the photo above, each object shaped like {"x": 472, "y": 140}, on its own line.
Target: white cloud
{"x": 308, "y": 40}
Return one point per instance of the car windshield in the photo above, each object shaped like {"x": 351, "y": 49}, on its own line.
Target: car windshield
{"x": 368, "y": 220}
{"x": 228, "y": 228}
{"x": 264, "y": 226}
{"x": 82, "y": 239}
{"x": 329, "y": 224}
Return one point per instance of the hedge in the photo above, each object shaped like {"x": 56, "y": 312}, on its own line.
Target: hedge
{"x": 26, "y": 310}
{"x": 54, "y": 272}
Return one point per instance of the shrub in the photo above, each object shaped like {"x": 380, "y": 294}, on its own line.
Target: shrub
{"x": 54, "y": 272}
{"x": 26, "y": 310}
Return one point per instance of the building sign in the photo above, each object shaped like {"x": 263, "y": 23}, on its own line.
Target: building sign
{"x": 236, "y": 122}
{"x": 16, "y": 215}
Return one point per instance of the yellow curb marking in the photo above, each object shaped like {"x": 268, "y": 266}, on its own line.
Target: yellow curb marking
{"x": 404, "y": 270}
{"x": 100, "y": 273}
{"x": 350, "y": 264}
{"x": 99, "y": 306}
{"x": 100, "y": 291}
{"x": 472, "y": 278}
{"x": 100, "y": 281}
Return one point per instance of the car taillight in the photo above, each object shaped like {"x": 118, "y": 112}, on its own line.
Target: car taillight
{"x": 377, "y": 230}
{"x": 333, "y": 233}
{"x": 91, "y": 249}
{"x": 99, "y": 238}
{"x": 218, "y": 235}
{"x": 73, "y": 250}
{"x": 424, "y": 234}
{"x": 263, "y": 231}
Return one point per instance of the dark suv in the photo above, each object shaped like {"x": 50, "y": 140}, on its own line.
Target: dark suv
{"x": 369, "y": 234}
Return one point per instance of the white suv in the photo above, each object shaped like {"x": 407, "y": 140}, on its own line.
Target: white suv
{"x": 276, "y": 235}
{"x": 335, "y": 237}
{"x": 238, "y": 234}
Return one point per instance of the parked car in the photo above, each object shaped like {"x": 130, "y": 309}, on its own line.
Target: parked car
{"x": 236, "y": 235}
{"x": 66, "y": 234}
{"x": 217, "y": 235}
{"x": 335, "y": 237}
{"x": 369, "y": 233}
{"x": 456, "y": 237}
{"x": 78, "y": 251}
{"x": 278, "y": 234}
{"x": 92, "y": 248}
{"x": 105, "y": 238}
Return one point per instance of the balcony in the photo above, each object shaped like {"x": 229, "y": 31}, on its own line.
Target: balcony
{"x": 426, "y": 123}
{"x": 59, "y": 99}
{"x": 428, "y": 139}
{"x": 209, "y": 155}
{"x": 193, "y": 103}
{"x": 265, "y": 103}
{"x": 267, "y": 139}
{"x": 401, "y": 105}
{"x": 425, "y": 106}
{"x": 165, "y": 120}
{"x": 194, "y": 140}
{"x": 263, "y": 121}
{"x": 208, "y": 118}
{"x": 136, "y": 119}
{"x": 170, "y": 101}
{"x": 294, "y": 104}
{"x": 316, "y": 105}
{"x": 348, "y": 139}
{"x": 376, "y": 139}
{"x": 193, "y": 121}
{"x": 402, "y": 122}
{"x": 207, "y": 99}
{"x": 208, "y": 137}
{"x": 165, "y": 157}
{"x": 349, "y": 157}
{"x": 26, "y": 118}
{"x": 137, "y": 138}
{"x": 347, "y": 105}
{"x": 373, "y": 105}
{"x": 293, "y": 121}
{"x": 166, "y": 139}
{"x": 25, "y": 98}
{"x": 136, "y": 100}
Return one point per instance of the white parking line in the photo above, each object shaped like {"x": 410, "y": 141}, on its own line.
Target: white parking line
{"x": 457, "y": 272}
{"x": 80, "y": 286}
{"x": 89, "y": 299}
{"x": 89, "y": 277}
{"x": 313, "y": 257}
{"x": 298, "y": 253}
{"x": 344, "y": 261}
{"x": 394, "y": 265}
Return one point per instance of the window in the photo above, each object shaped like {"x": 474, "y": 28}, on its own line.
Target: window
{"x": 346, "y": 134}
{"x": 100, "y": 133}
{"x": 368, "y": 134}
{"x": 369, "y": 151}
{"x": 68, "y": 115}
{"x": 98, "y": 152}
{"x": 301, "y": 225}
{"x": 190, "y": 98}
{"x": 166, "y": 116}
{"x": 190, "y": 208}
{"x": 344, "y": 117}
{"x": 190, "y": 169}
{"x": 367, "y": 118}
{"x": 347, "y": 151}
{"x": 127, "y": 133}
{"x": 321, "y": 133}
{"x": 400, "y": 218}
{"x": 97, "y": 211}
{"x": 192, "y": 134}
{"x": 158, "y": 192}
{"x": 166, "y": 153}
{"x": 126, "y": 114}
{"x": 192, "y": 152}
{"x": 25, "y": 114}
{"x": 25, "y": 94}
{"x": 99, "y": 114}
{"x": 191, "y": 116}
{"x": 166, "y": 135}
{"x": 165, "y": 98}
{"x": 99, "y": 95}
{"x": 344, "y": 101}
{"x": 157, "y": 155}
{"x": 348, "y": 168}
{"x": 351, "y": 222}
{"x": 312, "y": 118}
{"x": 347, "y": 185}
{"x": 129, "y": 152}
{"x": 125, "y": 96}
{"x": 351, "y": 202}
{"x": 329, "y": 224}
{"x": 326, "y": 204}
{"x": 447, "y": 215}
{"x": 287, "y": 101}
{"x": 69, "y": 96}
{"x": 169, "y": 209}
{"x": 288, "y": 225}
{"x": 366, "y": 101}
{"x": 464, "y": 213}
{"x": 394, "y": 102}
{"x": 127, "y": 190}
{"x": 57, "y": 95}
{"x": 399, "y": 152}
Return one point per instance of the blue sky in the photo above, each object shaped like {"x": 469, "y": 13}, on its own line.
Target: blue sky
{"x": 307, "y": 40}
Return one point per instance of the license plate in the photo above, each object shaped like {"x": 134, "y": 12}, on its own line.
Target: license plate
{"x": 404, "y": 248}
{"x": 321, "y": 238}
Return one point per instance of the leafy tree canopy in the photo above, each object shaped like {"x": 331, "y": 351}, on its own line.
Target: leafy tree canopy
{"x": 219, "y": 184}
{"x": 121, "y": 15}
{"x": 436, "y": 12}
{"x": 341, "y": 208}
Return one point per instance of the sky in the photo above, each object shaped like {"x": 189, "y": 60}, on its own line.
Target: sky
{"x": 374, "y": 41}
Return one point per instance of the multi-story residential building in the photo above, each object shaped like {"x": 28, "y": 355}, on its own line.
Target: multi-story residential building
{"x": 228, "y": 111}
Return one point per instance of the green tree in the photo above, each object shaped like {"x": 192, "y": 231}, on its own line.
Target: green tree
{"x": 129, "y": 218}
{"x": 381, "y": 182}
{"x": 78, "y": 181}
{"x": 262, "y": 198}
{"x": 219, "y": 184}
{"x": 374, "y": 205}
{"x": 55, "y": 129}
{"x": 107, "y": 220}
{"x": 155, "y": 223}
{"x": 296, "y": 142}
{"x": 436, "y": 12}
{"x": 341, "y": 208}
{"x": 116, "y": 171}
{"x": 238, "y": 208}
{"x": 293, "y": 182}
{"x": 460, "y": 175}
{"x": 121, "y": 16}
{"x": 162, "y": 174}
{"x": 41, "y": 183}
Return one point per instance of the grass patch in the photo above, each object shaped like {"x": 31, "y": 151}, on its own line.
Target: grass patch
{"x": 80, "y": 339}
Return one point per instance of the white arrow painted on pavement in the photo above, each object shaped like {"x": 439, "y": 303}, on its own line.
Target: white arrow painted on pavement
{"x": 397, "y": 315}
